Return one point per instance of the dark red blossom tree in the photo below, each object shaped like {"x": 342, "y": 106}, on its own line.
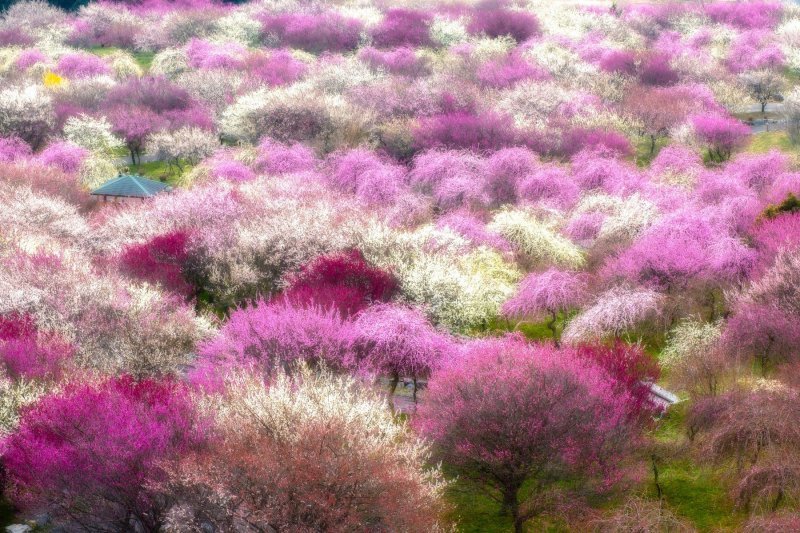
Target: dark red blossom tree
{"x": 159, "y": 260}
{"x": 344, "y": 281}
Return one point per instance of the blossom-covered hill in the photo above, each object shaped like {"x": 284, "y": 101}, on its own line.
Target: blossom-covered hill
{"x": 417, "y": 267}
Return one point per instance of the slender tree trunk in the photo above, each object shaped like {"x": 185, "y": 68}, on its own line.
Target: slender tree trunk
{"x": 392, "y": 388}
{"x": 652, "y": 144}
{"x": 415, "y": 389}
{"x": 654, "y": 462}
{"x": 551, "y": 325}
{"x": 777, "y": 501}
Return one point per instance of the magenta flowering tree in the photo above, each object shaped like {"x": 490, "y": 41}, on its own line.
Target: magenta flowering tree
{"x": 315, "y": 33}
{"x": 134, "y": 125}
{"x": 278, "y": 158}
{"x": 15, "y": 36}
{"x": 205, "y": 55}
{"x": 89, "y": 454}
{"x": 26, "y": 352}
{"x": 493, "y": 19}
{"x": 403, "y": 27}
{"x": 508, "y": 71}
{"x": 13, "y": 149}
{"x": 365, "y": 174}
{"x": 342, "y": 281}
{"x": 504, "y": 170}
{"x": 81, "y": 66}
{"x": 547, "y": 294}
{"x": 745, "y": 15}
{"x": 266, "y": 335}
{"x": 507, "y": 413}
{"x": 276, "y": 68}
{"x": 655, "y": 69}
{"x": 592, "y": 139}
{"x": 720, "y": 135}
{"x": 657, "y": 111}
{"x": 763, "y": 333}
{"x": 64, "y": 155}
{"x": 160, "y": 260}
{"x": 618, "y": 62}
{"x": 402, "y": 61}
{"x": 398, "y": 342}
{"x": 464, "y": 130}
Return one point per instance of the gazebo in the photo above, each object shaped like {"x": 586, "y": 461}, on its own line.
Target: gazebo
{"x": 130, "y": 186}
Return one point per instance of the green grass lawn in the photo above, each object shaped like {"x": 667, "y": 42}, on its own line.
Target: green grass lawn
{"x": 161, "y": 171}
{"x": 769, "y": 140}
{"x": 642, "y": 154}
{"x": 144, "y": 59}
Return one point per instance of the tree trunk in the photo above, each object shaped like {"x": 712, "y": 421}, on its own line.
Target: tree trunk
{"x": 551, "y": 325}
{"x": 653, "y": 460}
{"x": 415, "y": 389}
{"x": 652, "y": 144}
{"x": 393, "y": 388}
{"x": 511, "y": 506}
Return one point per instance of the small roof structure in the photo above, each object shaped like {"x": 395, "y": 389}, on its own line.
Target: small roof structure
{"x": 131, "y": 186}
{"x": 661, "y": 396}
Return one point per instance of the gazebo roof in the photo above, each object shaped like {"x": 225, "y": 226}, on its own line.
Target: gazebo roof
{"x": 131, "y": 186}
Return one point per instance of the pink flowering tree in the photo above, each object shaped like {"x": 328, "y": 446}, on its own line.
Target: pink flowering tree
{"x": 720, "y": 135}
{"x": 399, "y": 342}
{"x": 493, "y": 19}
{"x": 89, "y": 453}
{"x": 26, "y": 352}
{"x": 507, "y": 413}
{"x": 315, "y": 33}
{"x": 134, "y": 125}
{"x": 403, "y": 27}
{"x": 547, "y": 294}
{"x": 267, "y": 335}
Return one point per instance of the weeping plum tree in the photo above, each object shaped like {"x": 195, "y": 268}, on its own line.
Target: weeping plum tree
{"x": 507, "y": 412}
{"x": 398, "y": 341}
{"x": 720, "y": 135}
{"x": 548, "y": 293}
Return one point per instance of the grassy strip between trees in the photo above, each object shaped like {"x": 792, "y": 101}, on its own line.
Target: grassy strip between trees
{"x": 144, "y": 59}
